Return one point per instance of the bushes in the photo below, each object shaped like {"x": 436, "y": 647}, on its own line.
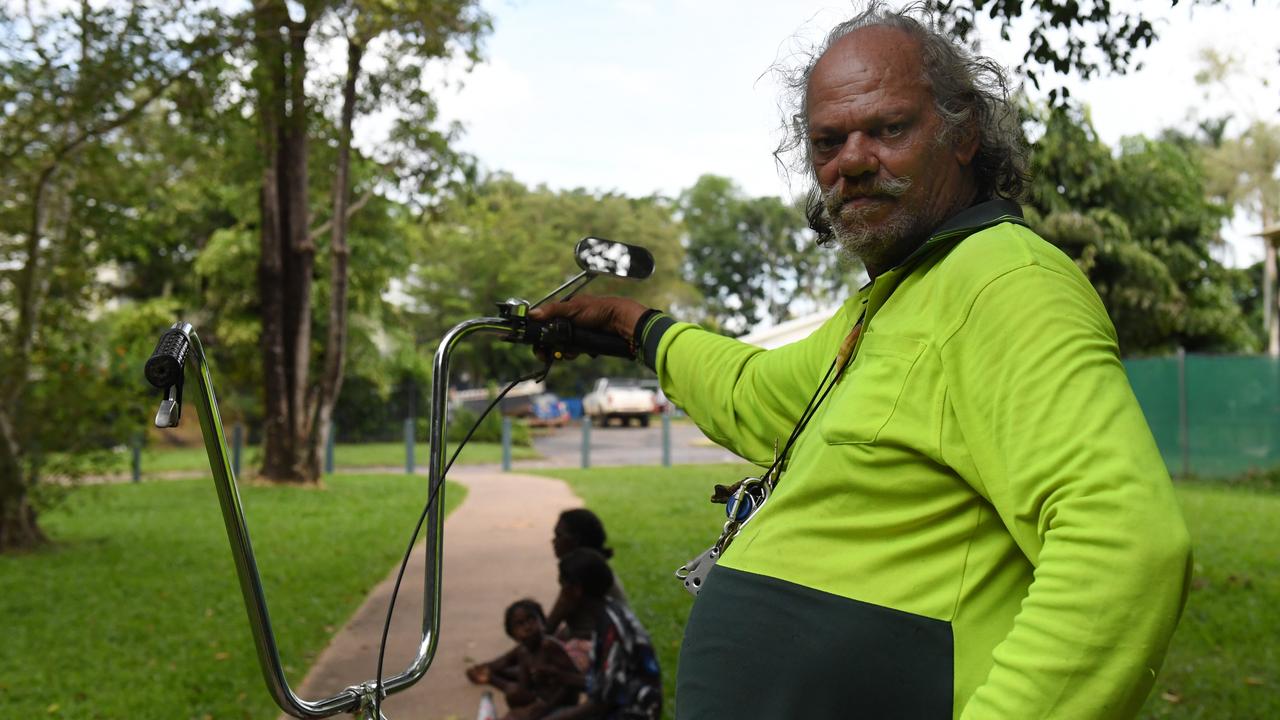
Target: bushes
{"x": 490, "y": 430}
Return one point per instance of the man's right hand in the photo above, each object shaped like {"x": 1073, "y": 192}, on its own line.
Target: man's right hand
{"x": 617, "y": 315}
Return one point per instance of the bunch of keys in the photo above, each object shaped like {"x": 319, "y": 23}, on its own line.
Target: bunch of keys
{"x": 747, "y": 497}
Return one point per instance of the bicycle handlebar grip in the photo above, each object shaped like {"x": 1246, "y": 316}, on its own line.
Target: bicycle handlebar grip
{"x": 598, "y": 343}
{"x": 164, "y": 368}
{"x": 562, "y": 336}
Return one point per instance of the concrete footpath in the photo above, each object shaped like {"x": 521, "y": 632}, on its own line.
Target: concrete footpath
{"x": 497, "y": 549}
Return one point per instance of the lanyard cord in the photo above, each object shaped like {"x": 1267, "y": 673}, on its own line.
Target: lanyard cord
{"x": 757, "y": 489}
{"x": 838, "y": 364}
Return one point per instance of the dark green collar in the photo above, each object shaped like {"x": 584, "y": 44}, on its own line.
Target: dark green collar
{"x": 961, "y": 225}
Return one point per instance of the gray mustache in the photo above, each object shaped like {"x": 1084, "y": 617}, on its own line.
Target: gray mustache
{"x": 893, "y": 187}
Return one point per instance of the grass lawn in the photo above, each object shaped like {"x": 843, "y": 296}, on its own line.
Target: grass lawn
{"x": 1224, "y": 661}
{"x": 345, "y": 456}
{"x": 136, "y": 613}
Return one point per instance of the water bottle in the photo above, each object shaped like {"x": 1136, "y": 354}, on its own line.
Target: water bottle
{"x": 487, "y": 709}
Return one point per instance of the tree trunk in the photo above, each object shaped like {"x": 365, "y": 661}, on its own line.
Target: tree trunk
{"x": 1270, "y": 313}
{"x": 1268, "y": 289}
{"x": 301, "y": 255}
{"x": 288, "y": 252}
{"x": 18, "y": 527}
{"x": 270, "y": 79}
{"x": 340, "y": 253}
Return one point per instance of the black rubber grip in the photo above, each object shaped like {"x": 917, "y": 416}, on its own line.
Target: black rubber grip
{"x": 562, "y": 337}
{"x": 598, "y": 343}
{"x": 164, "y": 368}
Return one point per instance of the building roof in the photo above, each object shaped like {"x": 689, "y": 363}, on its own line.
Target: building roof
{"x": 790, "y": 331}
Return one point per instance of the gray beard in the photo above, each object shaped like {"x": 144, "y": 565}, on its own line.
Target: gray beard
{"x": 857, "y": 239}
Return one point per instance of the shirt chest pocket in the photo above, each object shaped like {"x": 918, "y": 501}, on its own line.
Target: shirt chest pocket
{"x": 866, "y": 397}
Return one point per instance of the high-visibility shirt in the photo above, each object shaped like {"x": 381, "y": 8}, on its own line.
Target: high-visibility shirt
{"x": 976, "y": 522}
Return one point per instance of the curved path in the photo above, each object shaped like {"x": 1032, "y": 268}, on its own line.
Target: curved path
{"x": 497, "y": 549}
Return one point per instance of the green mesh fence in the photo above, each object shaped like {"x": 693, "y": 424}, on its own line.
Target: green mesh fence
{"x": 1215, "y": 415}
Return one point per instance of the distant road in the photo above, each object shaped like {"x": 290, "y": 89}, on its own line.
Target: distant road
{"x": 614, "y": 445}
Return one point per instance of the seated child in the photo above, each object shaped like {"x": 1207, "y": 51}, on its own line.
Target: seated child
{"x": 623, "y": 681}
{"x": 536, "y": 676}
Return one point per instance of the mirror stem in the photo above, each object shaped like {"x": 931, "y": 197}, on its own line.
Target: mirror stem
{"x": 581, "y": 279}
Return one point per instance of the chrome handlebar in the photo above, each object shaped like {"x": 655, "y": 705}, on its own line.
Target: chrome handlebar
{"x": 180, "y": 348}
{"x": 166, "y": 369}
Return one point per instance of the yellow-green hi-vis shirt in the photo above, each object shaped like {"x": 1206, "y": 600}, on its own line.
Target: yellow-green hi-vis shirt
{"x": 976, "y": 523}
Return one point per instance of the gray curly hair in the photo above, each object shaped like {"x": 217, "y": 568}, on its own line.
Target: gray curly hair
{"x": 969, "y": 92}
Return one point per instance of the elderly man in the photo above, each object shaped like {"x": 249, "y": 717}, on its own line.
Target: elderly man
{"x": 970, "y": 518}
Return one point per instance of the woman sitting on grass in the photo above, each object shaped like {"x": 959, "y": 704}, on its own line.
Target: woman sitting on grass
{"x": 579, "y": 528}
{"x": 623, "y": 681}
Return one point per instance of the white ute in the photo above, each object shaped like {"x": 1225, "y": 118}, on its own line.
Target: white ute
{"x": 622, "y": 398}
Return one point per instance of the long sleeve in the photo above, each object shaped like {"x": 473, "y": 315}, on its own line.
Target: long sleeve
{"x": 1064, "y": 455}
{"x": 741, "y": 396}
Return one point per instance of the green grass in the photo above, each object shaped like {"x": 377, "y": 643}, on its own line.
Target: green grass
{"x": 1224, "y": 661}
{"x": 135, "y": 612}
{"x": 345, "y": 456}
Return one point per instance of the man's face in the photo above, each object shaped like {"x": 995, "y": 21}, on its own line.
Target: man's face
{"x": 886, "y": 178}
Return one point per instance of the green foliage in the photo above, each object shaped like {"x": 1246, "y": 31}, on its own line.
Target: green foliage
{"x": 504, "y": 240}
{"x": 180, "y": 639}
{"x": 1141, "y": 226}
{"x": 76, "y": 181}
{"x": 490, "y": 430}
{"x": 1064, "y": 37}
{"x": 752, "y": 258}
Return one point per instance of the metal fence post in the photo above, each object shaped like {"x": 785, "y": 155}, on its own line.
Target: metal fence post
{"x": 1184, "y": 422}
{"x": 506, "y": 444}
{"x": 586, "y": 441}
{"x": 237, "y": 447}
{"x": 408, "y": 446}
{"x": 666, "y": 440}
{"x": 137, "y": 457}
{"x": 328, "y": 448}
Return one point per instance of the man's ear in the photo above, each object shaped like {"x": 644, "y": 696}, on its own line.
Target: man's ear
{"x": 966, "y": 146}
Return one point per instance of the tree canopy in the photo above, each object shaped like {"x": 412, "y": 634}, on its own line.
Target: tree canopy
{"x": 74, "y": 81}
{"x": 503, "y": 239}
{"x": 1142, "y": 227}
{"x": 753, "y": 259}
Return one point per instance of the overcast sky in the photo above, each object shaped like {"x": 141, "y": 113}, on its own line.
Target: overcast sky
{"x": 643, "y": 96}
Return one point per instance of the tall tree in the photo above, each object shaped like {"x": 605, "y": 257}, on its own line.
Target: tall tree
{"x": 1248, "y": 168}
{"x": 752, "y": 259}
{"x": 1141, "y": 226}
{"x": 74, "y": 79}
{"x": 1244, "y": 169}
{"x": 298, "y": 403}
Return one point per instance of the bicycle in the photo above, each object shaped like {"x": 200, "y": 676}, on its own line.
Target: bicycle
{"x": 554, "y": 340}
